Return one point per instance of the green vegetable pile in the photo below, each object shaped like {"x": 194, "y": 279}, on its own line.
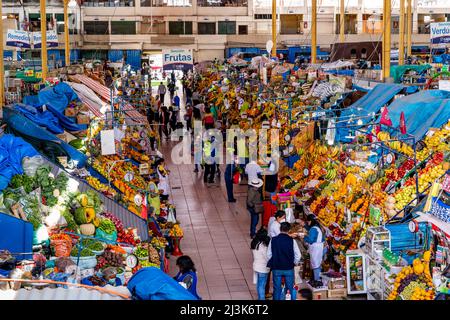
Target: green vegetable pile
{"x": 107, "y": 226}
{"x": 22, "y": 180}
{"x": 92, "y": 244}
{"x": 141, "y": 252}
{"x": 84, "y": 252}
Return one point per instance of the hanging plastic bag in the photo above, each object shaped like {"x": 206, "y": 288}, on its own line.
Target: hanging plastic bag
{"x": 289, "y": 215}
{"x": 171, "y": 216}
{"x": 31, "y": 164}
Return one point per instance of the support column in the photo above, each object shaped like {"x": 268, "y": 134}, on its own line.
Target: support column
{"x": 314, "y": 31}
{"x": 401, "y": 36}
{"x": 44, "y": 40}
{"x": 408, "y": 27}
{"x": 342, "y": 22}
{"x": 387, "y": 39}
{"x": 66, "y": 32}
{"x": 274, "y": 28}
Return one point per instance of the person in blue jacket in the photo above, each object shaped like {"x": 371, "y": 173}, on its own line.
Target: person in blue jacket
{"x": 187, "y": 274}
{"x": 229, "y": 172}
{"x": 316, "y": 245}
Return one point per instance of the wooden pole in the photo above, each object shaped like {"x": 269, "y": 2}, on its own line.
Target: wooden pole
{"x": 314, "y": 31}
{"x": 44, "y": 40}
{"x": 2, "y": 72}
{"x": 66, "y": 32}
{"x": 274, "y": 28}
{"x": 408, "y": 27}
{"x": 342, "y": 23}
{"x": 401, "y": 39}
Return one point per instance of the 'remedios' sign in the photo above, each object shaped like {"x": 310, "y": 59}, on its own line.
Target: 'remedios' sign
{"x": 18, "y": 38}
{"x": 178, "y": 59}
{"x": 440, "y": 32}
{"x": 52, "y": 39}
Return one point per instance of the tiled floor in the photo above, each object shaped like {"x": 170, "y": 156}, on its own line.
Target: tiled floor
{"x": 216, "y": 233}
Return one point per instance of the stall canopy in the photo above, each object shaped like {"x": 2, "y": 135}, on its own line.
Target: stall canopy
{"x": 423, "y": 110}
{"x": 12, "y": 151}
{"x": 153, "y": 284}
{"x": 337, "y": 65}
{"x": 397, "y": 72}
{"x": 362, "y": 109}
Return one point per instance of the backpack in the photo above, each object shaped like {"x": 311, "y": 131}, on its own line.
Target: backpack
{"x": 209, "y": 120}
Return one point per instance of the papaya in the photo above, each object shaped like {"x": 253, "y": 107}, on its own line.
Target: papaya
{"x": 84, "y": 200}
{"x": 90, "y": 214}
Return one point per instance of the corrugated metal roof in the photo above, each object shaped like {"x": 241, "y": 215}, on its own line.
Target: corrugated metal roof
{"x": 63, "y": 294}
{"x": 129, "y": 219}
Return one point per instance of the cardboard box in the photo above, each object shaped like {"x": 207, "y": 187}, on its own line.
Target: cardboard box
{"x": 337, "y": 293}
{"x": 83, "y": 119}
{"x": 321, "y": 294}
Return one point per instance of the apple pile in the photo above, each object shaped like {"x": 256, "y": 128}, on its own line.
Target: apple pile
{"x": 123, "y": 235}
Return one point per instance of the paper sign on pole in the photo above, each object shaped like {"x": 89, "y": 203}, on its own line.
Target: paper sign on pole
{"x": 18, "y": 38}
{"x": 444, "y": 85}
{"x": 107, "y": 142}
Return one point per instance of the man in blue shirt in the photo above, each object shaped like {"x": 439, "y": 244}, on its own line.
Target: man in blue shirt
{"x": 283, "y": 254}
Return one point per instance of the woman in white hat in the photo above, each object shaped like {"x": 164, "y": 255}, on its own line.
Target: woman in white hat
{"x": 254, "y": 203}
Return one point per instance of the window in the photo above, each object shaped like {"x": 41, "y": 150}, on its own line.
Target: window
{"x": 263, "y": 17}
{"x": 180, "y": 27}
{"x": 350, "y": 23}
{"x": 227, "y": 27}
{"x": 353, "y": 54}
{"x": 60, "y": 23}
{"x": 35, "y": 21}
{"x": 123, "y": 27}
{"x": 108, "y": 3}
{"x": 206, "y": 28}
{"x": 157, "y": 27}
{"x": 96, "y": 27}
{"x": 243, "y": 30}
{"x": 166, "y": 3}
{"x": 222, "y": 3}
{"x": 363, "y": 53}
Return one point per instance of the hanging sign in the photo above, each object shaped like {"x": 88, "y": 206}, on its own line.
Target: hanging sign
{"x": 18, "y": 38}
{"x": 107, "y": 142}
{"x": 52, "y": 39}
{"x": 129, "y": 176}
{"x": 178, "y": 59}
{"x": 440, "y": 32}
{"x": 144, "y": 168}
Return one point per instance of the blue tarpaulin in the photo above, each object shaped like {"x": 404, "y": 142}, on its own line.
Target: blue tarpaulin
{"x": 153, "y": 284}
{"x": 12, "y": 151}
{"x": 423, "y": 110}
{"x": 45, "y": 119}
{"x": 56, "y": 99}
{"x": 371, "y": 103}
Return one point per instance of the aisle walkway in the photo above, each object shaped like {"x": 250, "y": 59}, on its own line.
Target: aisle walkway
{"x": 216, "y": 234}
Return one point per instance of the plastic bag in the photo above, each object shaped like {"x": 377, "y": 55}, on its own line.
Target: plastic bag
{"x": 106, "y": 236}
{"x": 31, "y": 164}
{"x": 289, "y": 215}
{"x": 62, "y": 247}
{"x": 171, "y": 216}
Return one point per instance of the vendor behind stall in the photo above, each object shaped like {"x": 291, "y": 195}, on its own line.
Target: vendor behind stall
{"x": 315, "y": 240}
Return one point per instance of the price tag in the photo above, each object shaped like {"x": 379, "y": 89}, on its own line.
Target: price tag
{"x": 39, "y": 75}
{"x": 306, "y": 172}
{"x": 390, "y": 158}
{"x": 144, "y": 169}
{"x": 138, "y": 200}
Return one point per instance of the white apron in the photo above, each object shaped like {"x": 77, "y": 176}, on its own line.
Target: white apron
{"x": 163, "y": 183}
{"x": 316, "y": 251}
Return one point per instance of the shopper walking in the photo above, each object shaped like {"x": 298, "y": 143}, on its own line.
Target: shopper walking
{"x": 163, "y": 176}
{"x": 164, "y": 121}
{"x": 315, "y": 240}
{"x": 254, "y": 203}
{"x": 162, "y": 92}
{"x": 209, "y": 154}
{"x": 171, "y": 87}
{"x": 229, "y": 173}
{"x": 283, "y": 254}
{"x": 188, "y": 117}
{"x": 208, "y": 119}
{"x": 253, "y": 170}
{"x": 259, "y": 248}
{"x": 187, "y": 276}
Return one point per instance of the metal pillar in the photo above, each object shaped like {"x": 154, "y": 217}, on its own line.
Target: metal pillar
{"x": 44, "y": 40}
{"x": 401, "y": 39}
{"x": 2, "y": 72}
{"x": 387, "y": 39}
{"x": 274, "y": 28}
{"x": 408, "y": 27}
{"x": 66, "y": 32}
{"x": 314, "y": 31}
{"x": 342, "y": 22}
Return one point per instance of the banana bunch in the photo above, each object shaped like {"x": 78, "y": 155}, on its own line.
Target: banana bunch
{"x": 383, "y": 136}
{"x": 322, "y": 150}
{"x": 334, "y": 152}
{"x": 331, "y": 174}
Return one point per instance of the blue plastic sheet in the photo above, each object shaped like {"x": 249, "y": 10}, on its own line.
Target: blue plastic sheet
{"x": 423, "y": 110}
{"x": 370, "y": 103}
{"x": 12, "y": 151}
{"x": 153, "y": 284}
{"x": 45, "y": 119}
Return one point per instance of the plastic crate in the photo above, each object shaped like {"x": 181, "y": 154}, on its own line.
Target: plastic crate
{"x": 337, "y": 293}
